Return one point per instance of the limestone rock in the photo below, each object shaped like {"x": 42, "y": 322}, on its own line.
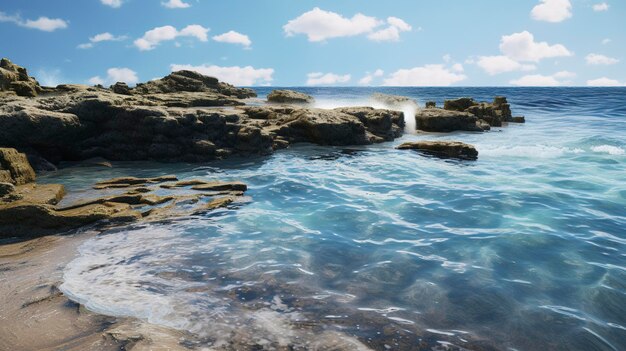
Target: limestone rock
{"x": 494, "y": 113}
{"x": 6, "y": 189}
{"x": 394, "y": 101}
{"x": 440, "y": 120}
{"x": 445, "y": 149}
{"x": 386, "y": 124}
{"x": 15, "y": 168}
{"x": 125, "y": 182}
{"x": 191, "y": 81}
{"x": 289, "y": 97}
{"x": 121, "y": 88}
{"x": 16, "y": 79}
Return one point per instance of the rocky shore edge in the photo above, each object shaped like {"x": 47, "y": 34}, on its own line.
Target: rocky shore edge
{"x": 183, "y": 117}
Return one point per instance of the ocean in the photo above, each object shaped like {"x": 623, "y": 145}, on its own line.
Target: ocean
{"x": 372, "y": 247}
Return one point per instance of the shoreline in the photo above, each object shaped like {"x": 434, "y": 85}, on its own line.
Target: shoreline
{"x": 35, "y": 315}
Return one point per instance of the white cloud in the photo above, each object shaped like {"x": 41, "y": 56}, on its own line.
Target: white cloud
{"x": 42, "y": 23}
{"x": 522, "y": 47}
{"x": 106, "y": 36}
{"x": 369, "y": 77}
{"x": 603, "y": 6}
{"x": 539, "y": 80}
{"x": 319, "y": 78}
{"x": 391, "y": 33}
{"x": 552, "y": 11}
{"x": 233, "y": 38}
{"x": 427, "y": 75}
{"x": 155, "y": 36}
{"x": 606, "y": 41}
{"x": 112, "y": 3}
{"x": 235, "y": 75}
{"x": 597, "y": 59}
{"x": 604, "y": 82}
{"x": 319, "y": 25}
{"x": 175, "y": 4}
{"x": 116, "y": 74}
{"x": 500, "y": 64}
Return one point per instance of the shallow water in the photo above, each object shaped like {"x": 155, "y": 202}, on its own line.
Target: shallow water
{"x": 370, "y": 246}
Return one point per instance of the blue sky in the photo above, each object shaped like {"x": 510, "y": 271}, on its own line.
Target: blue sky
{"x": 331, "y": 42}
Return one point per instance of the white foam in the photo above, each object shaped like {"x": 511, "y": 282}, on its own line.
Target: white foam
{"x": 409, "y": 109}
{"x": 609, "y": 149}
{"x": 532, "y": 151}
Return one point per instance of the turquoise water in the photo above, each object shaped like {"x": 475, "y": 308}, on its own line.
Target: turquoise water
{"x": 372, "y": 247}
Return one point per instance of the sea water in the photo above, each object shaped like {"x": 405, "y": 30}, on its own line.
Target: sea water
{"x": 372, "y": 247}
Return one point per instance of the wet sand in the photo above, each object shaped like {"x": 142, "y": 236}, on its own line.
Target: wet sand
{"x": 35, "y": 315}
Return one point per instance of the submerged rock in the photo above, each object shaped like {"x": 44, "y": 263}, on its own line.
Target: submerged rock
{"x": 289, "y": 97}
{"x": 446, "y": 149}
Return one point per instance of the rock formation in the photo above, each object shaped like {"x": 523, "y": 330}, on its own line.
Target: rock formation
{"x": 440, "y": 120}
{"x": 494, "y": 113}
{"x": 28, "y": 209}
{"x": 289, "y": 97}
{"x": 175, "y": 119}
{"x": 444, "y": 149}
{"x": 15, "y": 79}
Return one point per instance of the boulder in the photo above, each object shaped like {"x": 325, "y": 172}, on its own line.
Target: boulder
{"x": 440, "y": 120}
{"x": 394, "y": 101}
{"x": 289, "y": 97}
{"x": 444, "y": 149}
{"x": 385, "y": 124}
{"x": 494, "y": 113}
{"x": 15, "y": 168}
{"x": 121, "y": 88}
{"x": 431, "y": 104}
{"x": 15, "y": 78}
{"x": 6, "y": 189}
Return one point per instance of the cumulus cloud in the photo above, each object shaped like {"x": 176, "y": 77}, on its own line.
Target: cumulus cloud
{"x": 42, "y": 23}
{"x": 319, "y": 78}
{"x": 500, "y": 64}
{"x": 369, "y": 77}
{"x": 523, "y": 47}
{"x": 603, "y": 6}
{"x": 319, "y": 25}
{"x": 175, "y": 4}
{"x": 604, "y": 82}
{"x": 233, "y": 37}
{"x": 606, "y": 41}
{"x": 427, "y": 75}
{"x": 236, "y": 75}
{"x": 597, "y": 59}
{"x": 552, "y": 11}
{"x": 112, "y": 3}
{"x": 155, "y": 36}
{"x": 106, "y": 36}
{"x": 539, "y": 80}
{"x": 116, "y": 74}
{"x": 392, "y": 32}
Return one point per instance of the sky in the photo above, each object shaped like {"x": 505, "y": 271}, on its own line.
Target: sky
{"x": 319, "y": 43}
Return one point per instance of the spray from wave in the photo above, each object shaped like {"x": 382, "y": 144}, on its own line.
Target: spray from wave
{"x": 408, "y": 107}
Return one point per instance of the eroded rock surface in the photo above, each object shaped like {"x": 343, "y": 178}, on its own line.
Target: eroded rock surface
{"x": 289, "y": 97}
{"x": 15, "y": 79}
{"x": 494, "y": 113}
{"x": 440, "y": 120}
{"x": 445, "y": 149}
{"x": 15, "y": 168}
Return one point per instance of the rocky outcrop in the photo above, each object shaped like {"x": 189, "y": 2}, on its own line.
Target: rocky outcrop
{"x": 384, "y": 124}
{"x": 15, "y": 168}
{"x": 15, "y": 79}
{"x": 190, "y": 81}
{"x": 32, "y": 210}
{"x": 394, "y": 101}
{"x": 443, "y": 149}
{"x": 289, "y": 97}
{"x": 175, "y": 119}
{"x": 494, "y": 113}
{"x": 440, "y": 120}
